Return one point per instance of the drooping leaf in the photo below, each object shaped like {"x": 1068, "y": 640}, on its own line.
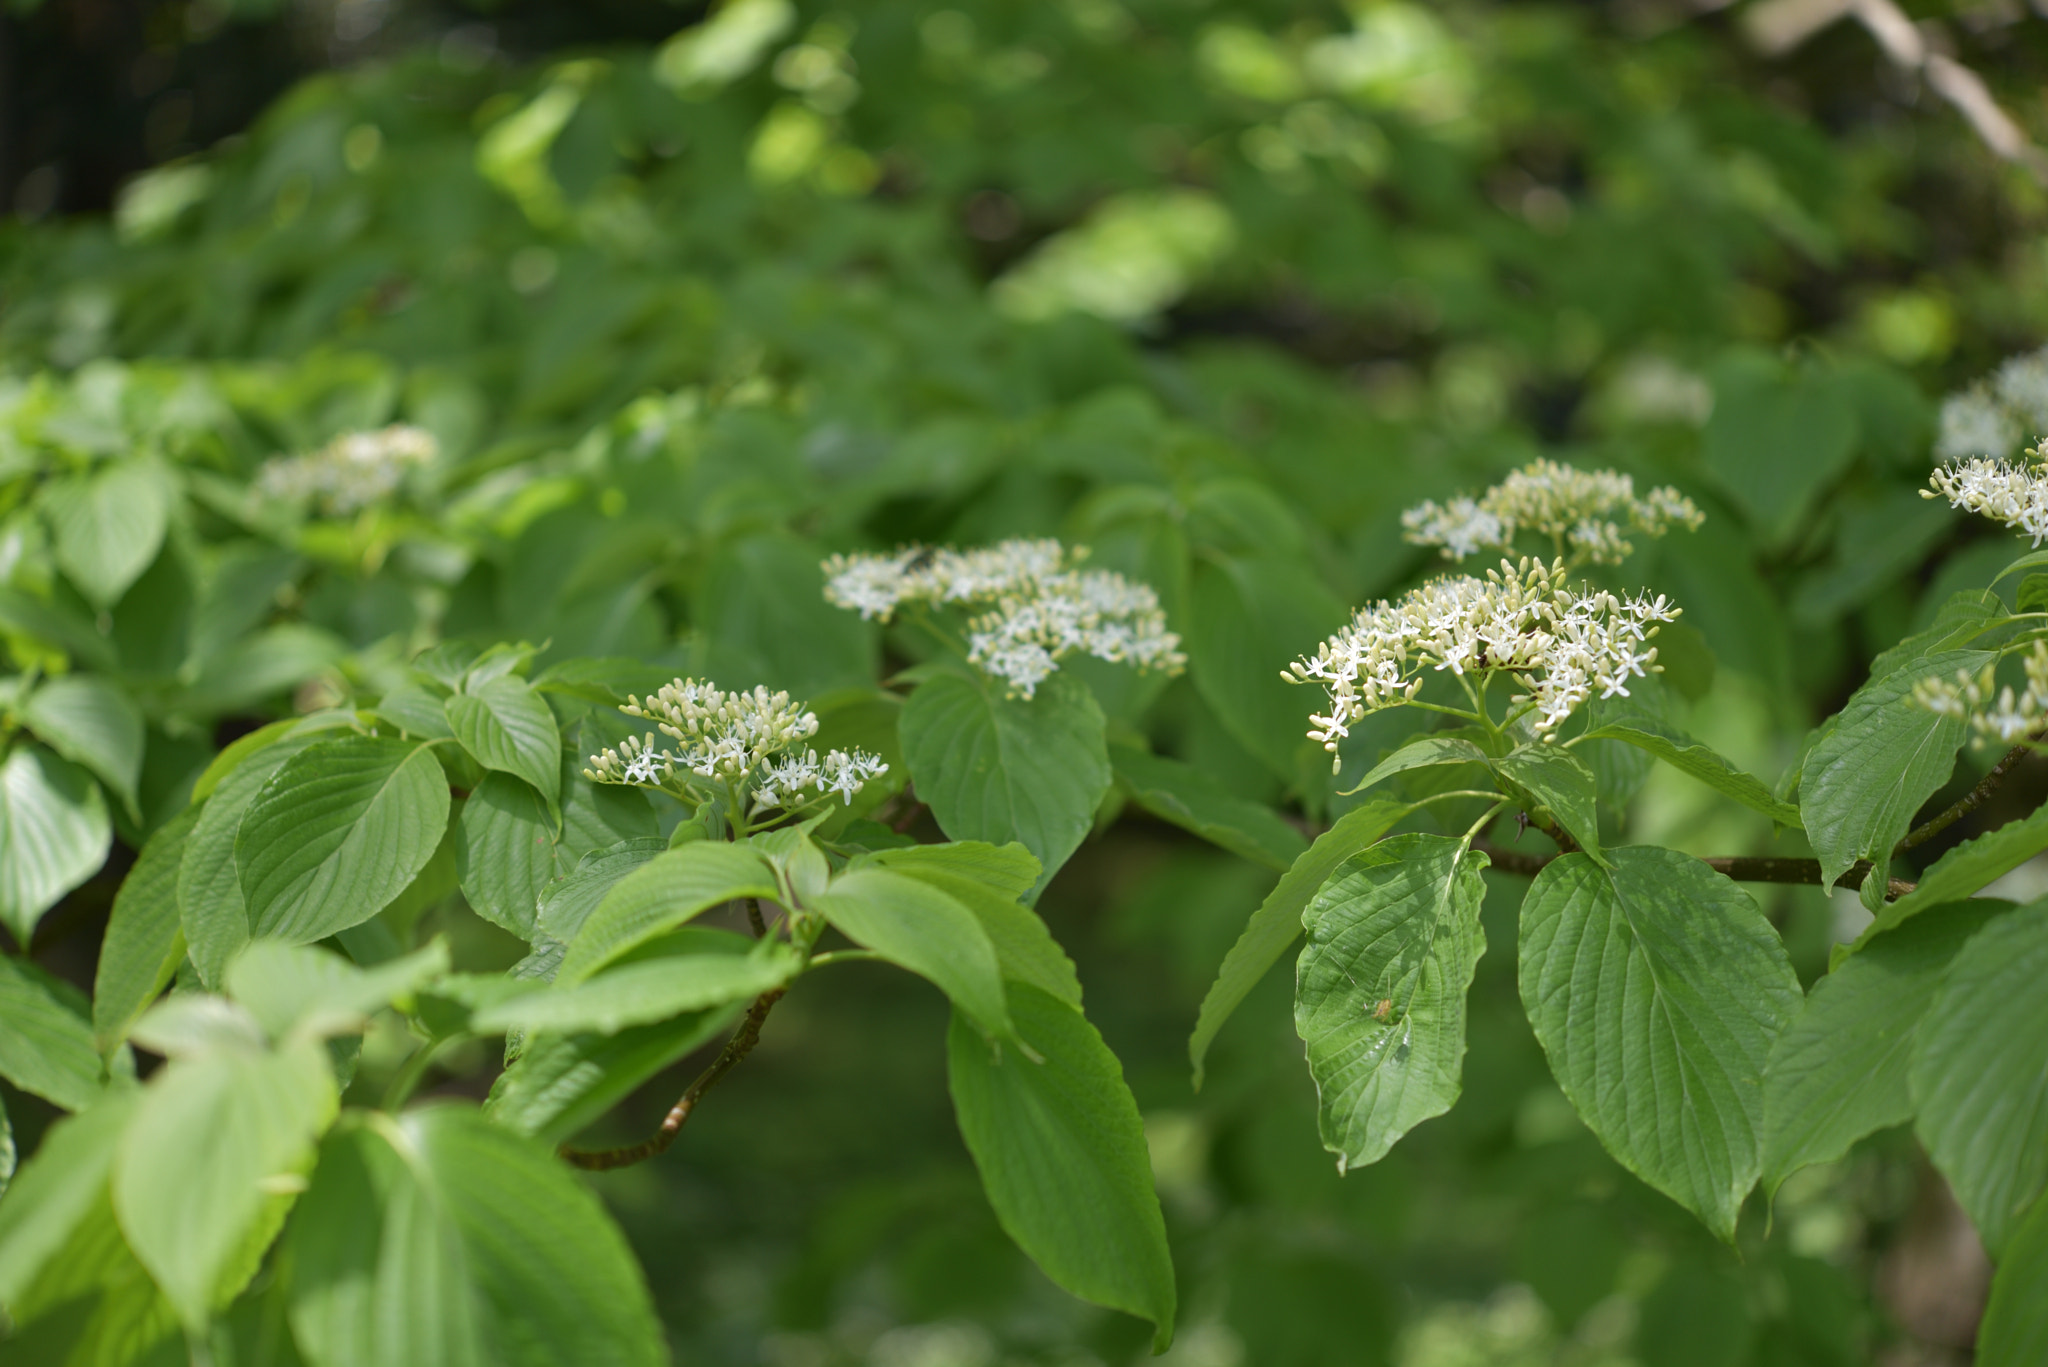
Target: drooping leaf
{"x": 318, "y": 993}
{"x": 1186, "y": 796}
{"x": 1963, "y": 870}
{"x": 46, "y": 1040}
{"x": 2015, "y": 1328}
{"x": 145, "y": 941}
{"x": 565, "y": 905}
{"x": 1657, "y": 989}
{"x": 660, "y": 895}
{"x": 1025, "y": 949}
{"x": 218, "y": 1137}
{"x": 651, "y": 989}
{"x": 56, "y": 1189}
{"x": 446, "y": 1234}
{"x": 338, "y": 832}
{"x": 915, "y": 925}
{"x": 560, "y": 1083}
{"x": 1839, "y": 1071}
{"x": 109, "y": 525}
{"x": 1864, "y": 781}
{"x": 54, "y": 832}
{"x": 1393, "y": 942}
{"x": 91, "y": 722}
{"x": 1560, "y": 780}
{"x": 1689, "y": 757}
{"x": 506, "y": 726}
{"x": 999, "y": 769}
{"x": 1980, "y": 1073}
{"x": 1424, "y": 752}
{"x": 1062, "y": 1156}
{"x": 1277, "y": 922}
{"x": 505, "y": 852}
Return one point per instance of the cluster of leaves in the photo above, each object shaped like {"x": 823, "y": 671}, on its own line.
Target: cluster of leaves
{"x": 682, "y": 322}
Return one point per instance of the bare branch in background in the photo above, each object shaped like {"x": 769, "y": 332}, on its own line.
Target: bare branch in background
{"x": 1777, "y": 27}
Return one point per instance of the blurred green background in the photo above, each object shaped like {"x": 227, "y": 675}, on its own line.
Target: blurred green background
{"x": 1217, "y": 286}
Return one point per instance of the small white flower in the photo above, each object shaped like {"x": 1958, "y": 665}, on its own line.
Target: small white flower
{"x": 1039, "y": 607}
{"x": 1585, "y": 509}
{"x": 351, "y": 472}
{"x": 2012, "y": 492}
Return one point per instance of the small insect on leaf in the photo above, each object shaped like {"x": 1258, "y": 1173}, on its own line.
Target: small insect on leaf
{"x": 1383, "y": 1009}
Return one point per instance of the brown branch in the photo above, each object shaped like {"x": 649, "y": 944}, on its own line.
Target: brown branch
{"x": 1740, "y": 868}
{"x": 1970, "y": 801}
{"x": 754, "y": 920}
{"x": 738, "y": 1047}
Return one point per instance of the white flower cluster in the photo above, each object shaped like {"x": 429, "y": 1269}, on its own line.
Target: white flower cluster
{"x": 743, "y": 740}
{"x": 1994, "y": 713}
{"x": 2012, "y": 492}
{"x": 1040, "y": 606}
{"x": 1563, "y": 645}
{"x": 1583, "y": 510}
{"x": 1992, "y": 418}
{"x": 351, "y": 472}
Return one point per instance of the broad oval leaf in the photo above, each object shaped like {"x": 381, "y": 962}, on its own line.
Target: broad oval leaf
{"x": 145, "y": 941}
{"x": 1277, "y": 921}
{"x": 1689, "y": 757}
{"x": 505, "y": 852}
{"x": 567, "y": 904}
{"x": 437, "y": 1238}
{"x": 1424, "y": 752}
{"x": 1000, "y": 769}
{"x": 46, "y": 1042}
{"x": 648, "y": 990}
{"x": 2015, "y": 1328}
{"x": 1393, "y": 942}
{"x": 337, "y": 833}
{"x": 1189, "y": 798}
{"x": 662, "y": 894}
{"x": 917, "y": 926}
{"x": 1866, "y": 778}
{"x": 560, "y": 1083}
{"x": 1025, "y": 949}
{"x": 508, "y": 727}
{"x": 1840, "y": 1069}
{"x": 1062, "y": 1156}
{"x": 1657, "y": 989}
{"x": 1559, "y": 780}
{"x": 56, "y": 1189}
{"x": 219, "y": 1136}
{"x": 91, "y": 722}
{"x": 109, "y": 525}
{"x": 54, "y": 832}
{"x": 1980, "y": 1073}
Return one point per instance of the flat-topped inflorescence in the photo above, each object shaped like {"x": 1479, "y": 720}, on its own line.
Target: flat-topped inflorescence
{"x": 351, "y": 472}
{"x": 1992, "y": 416}
{"x": 2008, "y": 491}
{"x": 1993, "y": 713}
{"x": 1585, "y": 514}
{"x": 1563, "y": 645}
{"x": 743, "y": 742}
{"x": 1039, "y": 605}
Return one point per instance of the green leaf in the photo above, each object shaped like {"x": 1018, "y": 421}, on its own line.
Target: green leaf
{"x": 1422, "y": 753}
{"x": 1777, "y": 436}
{"x": 231, "y": 759}
{"x": 145, "y": 941}
{"x": 1839, "y": 1071}
{"x": 109, "y": 525}
{"x": 560, "y": 1083}
{"x": 316, "y": 992}
{"x": 219, "y": 1137}
{"x": 57, "y": 1189}
{"x": 1689, "y": 757}
{"x": 1865, "y": 779}
{"x": 1189, "y": 798}
{"x": 2015, "y": 1328}
{"x": 90, "y": 722}
{"x": 1248, "y": 616}
{"x": 46, "y": 1042}
{"x": 663, "y": 893}
{"x": 8, "y": 1155}
{"x": 337, "y": 833}
{"x": 646, "y": 990}
{"x": 566, "y": 905}
{"x": 508, "y": 727}
{"x": 916, "y": 926}
{"x": 1980, "y": 1073}
{"x": 417, "y": 712}
{"x": 1008, "y": 869}
{"x": 1000, "y": 769}
{"x": 505, "y": 852}
{"x": 1963, "y": 870}
{"x": 1062, "y": 1156}
{"x": 54, "y": 833}
{"x": 762, "y": 618}
{"x": 1393, "y": 942}
{"x": 57, "y": 625}
{"x": 1025, "y": 949}
{"x": 439, "y": 1238}
{"x": 190, "y": 1024}
{"x": 1559, "y": 780}
{"x": 1274, "y": 925}
{"x": 1961, "y": 619}
{"x": 1657, "y": 988}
